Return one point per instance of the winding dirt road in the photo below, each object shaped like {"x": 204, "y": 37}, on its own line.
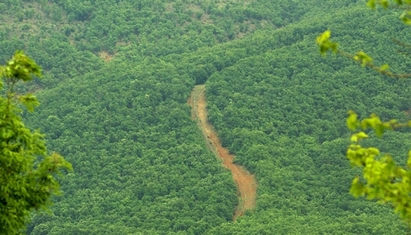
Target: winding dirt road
{"x": 246, "y": 183}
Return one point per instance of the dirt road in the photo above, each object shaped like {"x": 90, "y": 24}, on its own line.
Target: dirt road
{"x": 246, "y": 183}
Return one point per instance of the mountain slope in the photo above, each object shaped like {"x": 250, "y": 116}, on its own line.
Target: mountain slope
{"x": 118, "y": 75}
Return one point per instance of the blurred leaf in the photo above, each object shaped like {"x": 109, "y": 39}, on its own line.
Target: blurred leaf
{"x": 352, "y": 121}
{"x": 29, "y": 101}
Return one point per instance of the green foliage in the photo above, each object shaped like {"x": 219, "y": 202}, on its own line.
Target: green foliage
{"x": 403, "y": 4}
{"x": 20, "y": 67}
{"x": 382, "y": 178}
{"x": 27, "y": 173}
{"x": 115, "y": 104}
{"x": 325, "y": 44}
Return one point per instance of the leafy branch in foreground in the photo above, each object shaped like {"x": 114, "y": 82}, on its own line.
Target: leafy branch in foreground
{"x": 404, "y": 5}
{"x": 361, "y": 57}
{"x": 382, "y": 179}
{"x": 27, "y": 173}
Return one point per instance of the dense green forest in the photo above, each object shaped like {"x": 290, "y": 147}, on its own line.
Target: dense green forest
{"x": 118, "y": 75}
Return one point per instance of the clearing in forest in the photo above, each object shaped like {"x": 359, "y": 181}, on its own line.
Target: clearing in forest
{"x": 246, "y": 183}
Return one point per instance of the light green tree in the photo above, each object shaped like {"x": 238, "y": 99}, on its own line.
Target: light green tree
{"x": 383, "y": 179}
{"x": 28, "y": 174}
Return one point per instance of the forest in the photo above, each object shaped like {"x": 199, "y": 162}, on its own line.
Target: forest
{"x": 117, "y": 78}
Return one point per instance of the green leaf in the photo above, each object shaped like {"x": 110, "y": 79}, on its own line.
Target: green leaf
{"x": 409, "y": 159}
{"x": 357, "y": 188}
{"x": 384, "y": 67}
{"x": 352, "y": 121}
{"x": 29, "y": 101}
{"x": 22, "y": 67}
{"x": 322, "y": 38}
{"x": 374, "y": 151}
{"x": 363, "y": 58}
{"x": 358, "y": 136}
{"x": 379, "y": 130}
{"x": 405, "y": 17}
{"x": 384, "y": 3}
{"x": 371, "y": 4}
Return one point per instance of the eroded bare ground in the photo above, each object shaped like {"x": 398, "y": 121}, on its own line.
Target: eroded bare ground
{"x": 246, "y": 183}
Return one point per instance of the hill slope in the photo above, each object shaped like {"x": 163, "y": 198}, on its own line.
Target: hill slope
{"x": 114, "y": 103}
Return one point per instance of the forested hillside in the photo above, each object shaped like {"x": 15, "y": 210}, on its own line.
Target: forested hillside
{"x": 118, "y": 75}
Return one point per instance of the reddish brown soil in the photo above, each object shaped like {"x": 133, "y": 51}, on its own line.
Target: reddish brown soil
{"x": 246, "y": 183}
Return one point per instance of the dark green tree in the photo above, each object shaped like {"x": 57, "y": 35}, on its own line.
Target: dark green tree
{"x": 28, "y": 174}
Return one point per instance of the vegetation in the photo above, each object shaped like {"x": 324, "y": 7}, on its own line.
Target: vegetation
{"x": 383, "y": 178}
{"x": 27, "y": 173}
{"x": 115, "y": 104}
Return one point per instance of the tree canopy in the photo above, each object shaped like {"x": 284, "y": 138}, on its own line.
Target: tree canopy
{"x": 119, "y": 74}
